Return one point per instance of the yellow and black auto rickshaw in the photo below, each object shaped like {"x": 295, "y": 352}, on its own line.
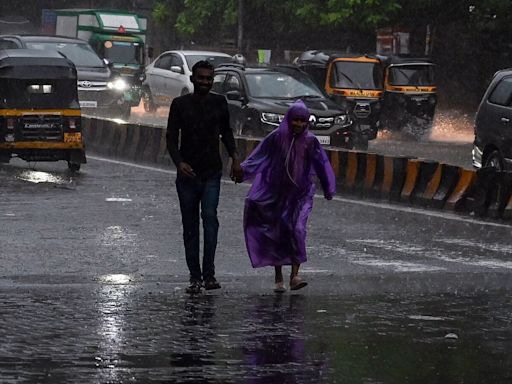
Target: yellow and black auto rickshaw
{"x": 353, "y": 81}
{"x": 410, "y": 96}
{"x": 39, "y": 109}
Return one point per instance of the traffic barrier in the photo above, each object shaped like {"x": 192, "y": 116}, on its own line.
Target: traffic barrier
{"x": 479, "y": 196}
{"x": 449, "y": 179}
{"x": 458, "y": 196}
{"x": 485, "y": 192}
{"x": 415, "y": 179}
{"x": 500, "y": 194}
{"x": 395, "y": 173}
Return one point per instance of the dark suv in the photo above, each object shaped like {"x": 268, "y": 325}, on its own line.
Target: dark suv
{"x": 493, "y": 124}
{"x": 259, "y": 97}
{"x": 96, "y": 89}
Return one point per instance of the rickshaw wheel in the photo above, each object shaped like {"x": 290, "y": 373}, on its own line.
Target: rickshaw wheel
{"x": 73, "y": 167}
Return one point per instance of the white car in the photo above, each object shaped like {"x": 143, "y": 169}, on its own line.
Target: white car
{"x": 169, "y": 75}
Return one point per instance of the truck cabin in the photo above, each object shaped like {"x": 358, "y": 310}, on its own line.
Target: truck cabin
{"x": 119, "y": 49}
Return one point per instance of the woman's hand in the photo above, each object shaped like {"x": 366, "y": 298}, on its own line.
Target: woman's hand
{"x": 237, "y": 173}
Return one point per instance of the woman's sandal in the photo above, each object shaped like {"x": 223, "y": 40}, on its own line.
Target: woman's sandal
{"x": 280, "y": 288}
{"x": 297, "y": 283}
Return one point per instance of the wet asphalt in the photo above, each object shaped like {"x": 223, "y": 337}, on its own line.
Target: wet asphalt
{"x": 92, "y": 290}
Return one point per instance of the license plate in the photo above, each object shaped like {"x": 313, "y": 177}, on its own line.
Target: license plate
{"x": 75, "y": 137}
{"x": 324, "y": 139}
{"x": 364, "y": 127}
{"x": 88, "y": 104}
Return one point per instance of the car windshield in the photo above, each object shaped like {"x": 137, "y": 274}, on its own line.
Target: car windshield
{"x": 215, "y": 60}
{"x": 80, "y": 54}
{"x": 411, "y": 75}
{"x": 356, "y": 74}
{"x": 281, "y": 85}
{"x": 123, "y": 52}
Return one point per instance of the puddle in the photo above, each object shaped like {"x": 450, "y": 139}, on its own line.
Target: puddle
{"x": 41, "y": 177}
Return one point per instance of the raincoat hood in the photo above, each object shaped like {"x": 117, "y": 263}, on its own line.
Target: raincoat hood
{"x": 297, "y": 109}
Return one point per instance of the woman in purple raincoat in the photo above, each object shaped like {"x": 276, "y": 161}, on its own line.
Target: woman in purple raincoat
{"x": 278, "y": 204}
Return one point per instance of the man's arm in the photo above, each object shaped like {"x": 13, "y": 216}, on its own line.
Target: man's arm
{"x": 229, "y": 142}
{"x": 173, "y": 132}
{"x": 225, "y": 129}
{"x": 174, "y": 124}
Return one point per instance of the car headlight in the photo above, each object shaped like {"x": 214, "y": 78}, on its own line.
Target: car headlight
{"x": 118, "y": 85}
{"x": 271, "y": 118}
{"x": 342, "y": 120}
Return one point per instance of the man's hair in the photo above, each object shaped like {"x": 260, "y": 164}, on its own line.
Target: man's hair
{"x": 202, "y": 64}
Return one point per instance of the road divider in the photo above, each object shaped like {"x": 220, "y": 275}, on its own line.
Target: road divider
{"x": 404, "y": 180}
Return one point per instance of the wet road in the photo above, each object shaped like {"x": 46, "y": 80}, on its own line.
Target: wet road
{"x": 93, "y": 272}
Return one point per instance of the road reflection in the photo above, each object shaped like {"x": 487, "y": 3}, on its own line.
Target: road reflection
{"x": 276, "y": 351}
{"x": 197, "y": 334}
{"x": 113, "y": 303}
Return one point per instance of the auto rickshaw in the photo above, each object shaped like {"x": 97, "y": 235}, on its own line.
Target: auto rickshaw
{"x": 39, "y": 109}
{"x": 410, "y": 96}
{"x": 353, "y": 81}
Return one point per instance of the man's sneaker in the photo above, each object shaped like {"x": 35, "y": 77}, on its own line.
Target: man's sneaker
{"x": 211, "y": 284}
{"x": 194, "y": 287}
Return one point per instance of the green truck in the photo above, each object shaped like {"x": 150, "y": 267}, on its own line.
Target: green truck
{"x": 118, "y": 38}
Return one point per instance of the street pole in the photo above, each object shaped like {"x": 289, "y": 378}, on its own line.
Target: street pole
{"x": 240, "y": 25}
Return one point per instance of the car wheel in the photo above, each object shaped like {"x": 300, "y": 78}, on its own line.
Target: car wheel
{"x": 123, "y": 112}
{"x": 73, "y": 167}
{"x": 361, "y": 143}
{"x": 147, "y": 101}
{"x": 494, "y": 160}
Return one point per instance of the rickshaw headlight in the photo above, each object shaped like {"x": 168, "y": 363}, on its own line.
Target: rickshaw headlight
{"x": 11, "y": 123}
{"x": 341, "y": 120}
{"x": 118, "y": 85}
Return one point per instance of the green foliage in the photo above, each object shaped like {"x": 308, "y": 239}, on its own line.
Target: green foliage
{"x": 362, "y": 14}
{"x": 206, "y": 15}
{"x": 161, "y": 13}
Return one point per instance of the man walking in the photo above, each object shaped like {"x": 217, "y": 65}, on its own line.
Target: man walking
{"x": 196, "y": 121}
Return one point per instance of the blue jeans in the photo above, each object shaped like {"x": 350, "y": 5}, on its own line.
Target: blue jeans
{"x": 193, "y": 194}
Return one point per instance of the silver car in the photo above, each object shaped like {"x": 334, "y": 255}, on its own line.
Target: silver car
{"x": 169, "y": 75}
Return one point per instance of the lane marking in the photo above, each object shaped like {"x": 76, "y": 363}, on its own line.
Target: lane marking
{"x": 117, "y": 199}
{"x": 437, "y": 254}
{"x": 503, "y": 248}
{"x": 415, "y": 211}
{"x": 369, "y": 260}
{"x": 426, "y": 317}
{"x": 397, "y": 266}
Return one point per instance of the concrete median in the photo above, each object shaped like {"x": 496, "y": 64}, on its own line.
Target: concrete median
{"x": 486, "y": 193}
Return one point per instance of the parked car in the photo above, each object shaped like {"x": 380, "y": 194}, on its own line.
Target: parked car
{"x": 493, "y": 124}
{"x": 168, "y": 76}
{"x": 259, "y": 97}
{"x": 97, "y": 91}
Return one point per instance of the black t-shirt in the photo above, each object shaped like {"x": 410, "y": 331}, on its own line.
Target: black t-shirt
{"x": 193, "y": 130}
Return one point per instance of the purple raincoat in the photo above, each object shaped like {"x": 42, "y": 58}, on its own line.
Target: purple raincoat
{"x": 278, "y": 204}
